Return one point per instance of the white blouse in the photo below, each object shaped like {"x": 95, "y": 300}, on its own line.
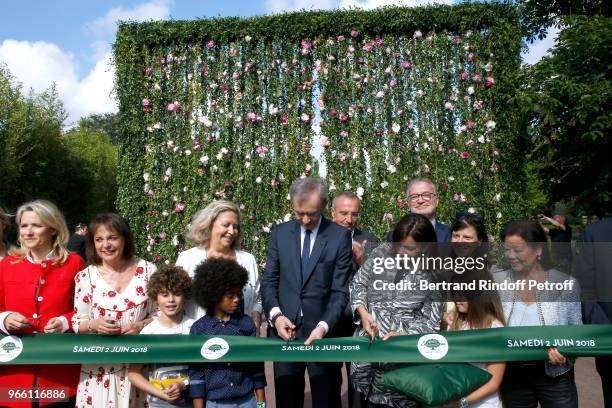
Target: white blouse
{"x": 191, "y": 258}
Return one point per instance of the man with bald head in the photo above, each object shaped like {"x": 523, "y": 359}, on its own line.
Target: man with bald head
{"x": 346, "y": 209}
{"x": 423, "y": 199}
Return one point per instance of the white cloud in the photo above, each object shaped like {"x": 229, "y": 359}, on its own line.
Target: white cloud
{"x": 39, "y": 64}
{"x": 277, "y": 6}
{"x": 107, "y": 24}
{"x": 370, "y": 4}
{"x": 540, "y": 48}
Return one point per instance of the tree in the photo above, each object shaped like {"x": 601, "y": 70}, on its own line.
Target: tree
{"x": 76, "y": 170}
{"x": 97, "y": 158}
{"x": 567, "y": 98}
{"x": 107, "y": 123}
{"x": 538, "y": 15}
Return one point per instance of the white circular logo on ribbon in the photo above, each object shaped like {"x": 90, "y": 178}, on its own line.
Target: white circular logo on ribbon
{"x": 433, "y": 346}
{"x": 214, "y": 348}
{"x": 10, "y": 348}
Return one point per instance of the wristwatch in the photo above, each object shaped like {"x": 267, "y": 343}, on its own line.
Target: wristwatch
{"x": 273, "y": 321}
{"x": 463, "y": 403}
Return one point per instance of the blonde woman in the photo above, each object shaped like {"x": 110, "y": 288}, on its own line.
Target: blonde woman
{"x": 36, "y": 289}
{"x": 215, "y": 233}
{"x": 4, "y": 223}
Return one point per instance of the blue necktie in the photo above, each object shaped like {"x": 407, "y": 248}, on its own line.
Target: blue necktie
{"x": 305, "y": 254}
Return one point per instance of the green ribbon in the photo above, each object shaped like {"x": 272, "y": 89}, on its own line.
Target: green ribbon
{"x": 503, "y": 344}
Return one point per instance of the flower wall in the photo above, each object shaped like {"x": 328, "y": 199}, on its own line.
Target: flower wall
{"x": 238, "y": 108}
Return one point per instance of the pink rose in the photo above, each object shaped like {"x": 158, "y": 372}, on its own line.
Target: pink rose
{"x": 469, "y": 124}
{"x": 344, "y": 118}
{"x": 180, "y": 207}
{"x": 210, "y": 44}
{"x": 406, "y": 64}
{"x": 333, "y": 112}
{"x": 489, "y": 82}
{"x": 465, "y": 154}
{"x": 476, "y": 78}
{"x": 464, "y": 76}
{"x": 354, "y": 33}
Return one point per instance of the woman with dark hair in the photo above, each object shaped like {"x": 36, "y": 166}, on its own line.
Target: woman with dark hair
{"x": 549, "y": 383}
{"x": 110, "y": 299}
{"x": 468, "y": 233}
{"x": 479, "y": 309}
{"x": 384, "y": 312}
{"x": 36, "y": 288}
{"x": 469, "y": 240}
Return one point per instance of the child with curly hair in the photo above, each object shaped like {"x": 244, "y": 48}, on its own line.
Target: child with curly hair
{"x": 217, "y": 287}
{"x": 169, "y": 287}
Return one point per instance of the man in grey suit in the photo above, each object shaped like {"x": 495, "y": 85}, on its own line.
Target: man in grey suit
{"x": 346, "y": 209}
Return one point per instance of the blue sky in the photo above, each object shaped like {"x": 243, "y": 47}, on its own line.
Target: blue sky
{"x": 69, "y": 41}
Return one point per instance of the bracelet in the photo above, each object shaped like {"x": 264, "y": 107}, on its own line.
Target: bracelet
{"x": 274, "y": 318}
{"x": 463, "y": 403}
{"x": 89, "y": 329}
{"x": 261, "y": 404}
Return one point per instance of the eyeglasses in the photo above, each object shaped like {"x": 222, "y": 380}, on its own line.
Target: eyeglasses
{"x": 424, "y": 196}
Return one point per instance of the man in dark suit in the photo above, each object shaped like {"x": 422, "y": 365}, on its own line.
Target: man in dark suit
{"x": 423, "y": 199}
{"x": 305, "y": 291}
{"x": 594, "y": 273}
{"x": 77, "y": 241}
{"x": 346, "y": 209}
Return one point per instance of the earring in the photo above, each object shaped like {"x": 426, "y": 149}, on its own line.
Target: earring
{"x": 539, "y": 257}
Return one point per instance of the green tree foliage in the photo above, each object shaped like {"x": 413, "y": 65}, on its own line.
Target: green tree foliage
{"x": 106, "y": 123}
{"x": 538, "y": 15}
{"x": 97, "y": 158}
{"x": 76, "y": 171}
{"x": 567, "y": 98}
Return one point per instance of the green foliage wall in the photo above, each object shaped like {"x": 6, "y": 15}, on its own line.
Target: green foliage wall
{"x": 237, "y": 108}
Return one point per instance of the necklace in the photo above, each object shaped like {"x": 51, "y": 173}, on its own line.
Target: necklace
{"x": 538, "y": 306}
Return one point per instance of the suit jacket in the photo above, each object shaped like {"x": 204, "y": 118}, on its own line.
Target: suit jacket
{"x": 360, "y": 236}
{"x": 594, "y": 271}
{"x": 443, "y": 233}
{"x": 323, "y": 294}
{"x": 39, "y": 292}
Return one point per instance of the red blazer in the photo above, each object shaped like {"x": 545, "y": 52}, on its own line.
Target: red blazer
{"x": 39, "y": 292}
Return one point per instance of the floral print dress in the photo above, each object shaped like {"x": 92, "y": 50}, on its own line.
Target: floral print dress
{"x": 107, "y": 385}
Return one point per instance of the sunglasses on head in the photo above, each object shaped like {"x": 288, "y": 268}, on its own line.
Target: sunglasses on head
{"x": 468, "y": 216}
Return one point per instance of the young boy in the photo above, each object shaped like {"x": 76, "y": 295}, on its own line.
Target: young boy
{"x": 169, "y": 287}
{"x": 217, "y": 286}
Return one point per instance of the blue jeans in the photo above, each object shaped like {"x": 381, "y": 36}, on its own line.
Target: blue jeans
{"x": 246, "y": 402}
